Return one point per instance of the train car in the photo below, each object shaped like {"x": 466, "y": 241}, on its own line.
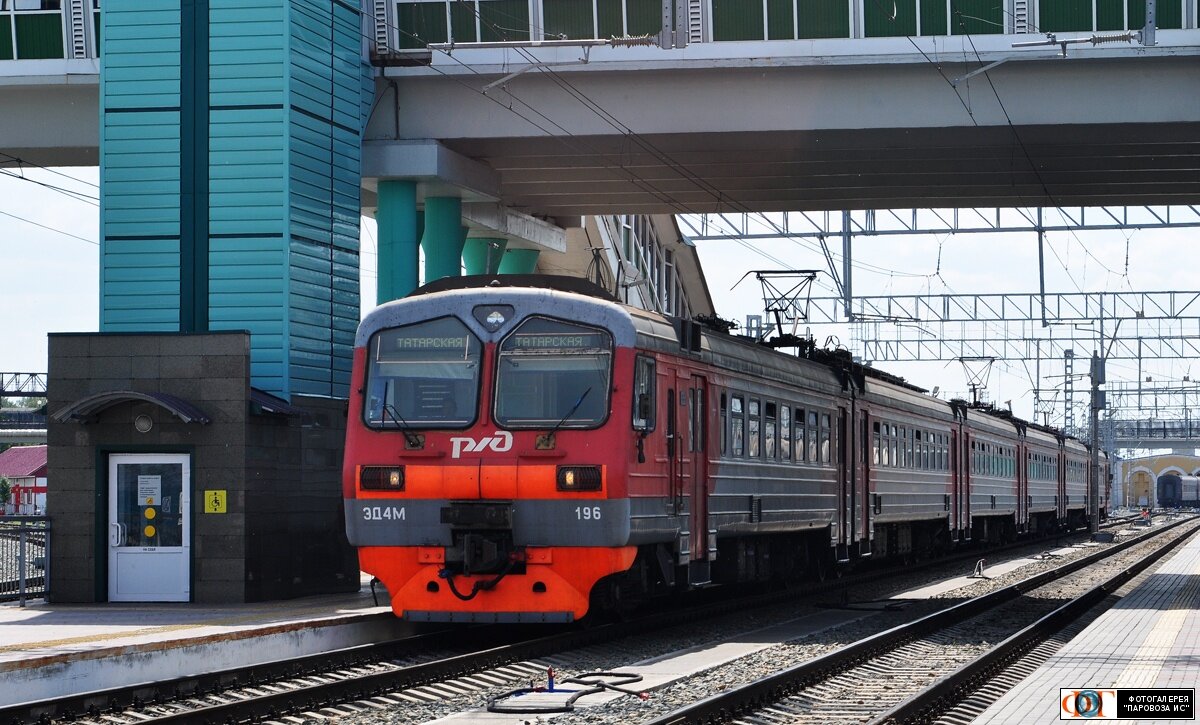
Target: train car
{"x": 995, "y": 498}
{"x": 1073, "y": 471}
{"x": 526, "y": 449}
{"x": 1175, "y": 490}
{"x": 775, "y": 494}
{"x": 914, "y": 505}
{"x": 1043, "y": 497}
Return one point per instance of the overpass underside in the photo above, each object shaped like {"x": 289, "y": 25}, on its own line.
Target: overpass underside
{"x": 1047, "y": 165}
{"x": 812, "y": 125}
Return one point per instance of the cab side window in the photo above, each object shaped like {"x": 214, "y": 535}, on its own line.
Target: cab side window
{"x": 643, "y": 393}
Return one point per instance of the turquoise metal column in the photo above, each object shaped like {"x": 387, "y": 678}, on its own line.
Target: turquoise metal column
{"x": 519, "y": 261}
{"x": 482, "y": 255}
{"x": 399, "y": 240}
{"x": 444, "y": 237}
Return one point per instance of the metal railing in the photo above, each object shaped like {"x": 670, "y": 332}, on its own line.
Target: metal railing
{"x": 24, "y": 558}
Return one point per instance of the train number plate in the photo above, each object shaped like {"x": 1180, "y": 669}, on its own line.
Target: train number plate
{"x": 491, "y": 516}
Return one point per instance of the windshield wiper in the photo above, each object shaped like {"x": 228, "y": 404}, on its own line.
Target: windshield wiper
{"x": 414, "y": 440}
{"x": 571, "y": 412}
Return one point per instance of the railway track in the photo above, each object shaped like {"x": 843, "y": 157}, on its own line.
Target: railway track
{"x": 425, "y": 668}
{"x": 964, "y": 694}
{"x": 885, "y": 677}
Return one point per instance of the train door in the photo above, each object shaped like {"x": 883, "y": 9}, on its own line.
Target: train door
{"x": 1023, "y": 499}
{"x": 846, "y": 527}
{"x": 953, "y": 465}
{"x": 688, "y": 467}
{"x": 695, "y": 468}
{"x": 1059, "y": 468}
{"x": 961, "y": 484}
{"x": 861, "y": 507}
{"x": 676, "y": 501}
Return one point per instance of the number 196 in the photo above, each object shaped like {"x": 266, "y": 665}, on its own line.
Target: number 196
{"x": 587, "y": 513}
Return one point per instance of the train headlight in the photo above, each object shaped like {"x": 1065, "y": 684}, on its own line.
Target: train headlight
{"x": 381, "y": 478}
{"x": 579, "y": 478}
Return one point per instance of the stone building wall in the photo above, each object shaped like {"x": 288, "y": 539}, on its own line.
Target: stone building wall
{"x": 281, "y": 534}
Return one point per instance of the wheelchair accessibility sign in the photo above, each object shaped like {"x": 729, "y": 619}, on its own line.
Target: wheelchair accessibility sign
{"x": 214, "y": 502}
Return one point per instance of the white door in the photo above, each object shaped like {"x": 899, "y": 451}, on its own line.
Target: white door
{"x": 149, "y": 527}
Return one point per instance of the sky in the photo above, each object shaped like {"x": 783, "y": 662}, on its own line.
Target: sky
{"x": 49, "y": 251}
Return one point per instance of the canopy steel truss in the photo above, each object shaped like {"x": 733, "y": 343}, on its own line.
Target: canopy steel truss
{"x": 1019, "y": 341}
{"x": 882, "y": 222}
{"x": 1054, "y": 307}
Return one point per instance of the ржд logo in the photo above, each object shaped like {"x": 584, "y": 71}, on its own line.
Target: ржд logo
{"x": 499, "y": 442}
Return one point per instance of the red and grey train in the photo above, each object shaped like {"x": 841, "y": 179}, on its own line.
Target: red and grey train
{"x": 526, "y": 449}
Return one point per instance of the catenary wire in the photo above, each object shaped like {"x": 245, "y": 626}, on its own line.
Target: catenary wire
{"x": 49, "y": 228}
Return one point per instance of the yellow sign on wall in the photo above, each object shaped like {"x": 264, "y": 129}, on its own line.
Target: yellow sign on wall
{"x": 214, "y": 502}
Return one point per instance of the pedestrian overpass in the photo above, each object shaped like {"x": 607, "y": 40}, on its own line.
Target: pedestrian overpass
{"x": 833, "y": 106}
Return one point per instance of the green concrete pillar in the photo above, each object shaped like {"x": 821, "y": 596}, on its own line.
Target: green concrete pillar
{"x": 519, "y": 261}
{"x": 444, "y": 237}
{"x": 482, "y": 255}
{"x": 399, "y": 235}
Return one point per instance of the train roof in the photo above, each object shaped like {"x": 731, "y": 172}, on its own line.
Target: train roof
{"x": 560, "y": 283}
{"x": 460, "y": 297}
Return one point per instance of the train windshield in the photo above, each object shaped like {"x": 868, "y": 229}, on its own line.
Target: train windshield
{"x": 423, "y": 376}
{"x": 553, "y": 373}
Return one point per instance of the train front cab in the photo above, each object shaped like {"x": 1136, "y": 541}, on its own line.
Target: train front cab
{"x": 485, "y": 475}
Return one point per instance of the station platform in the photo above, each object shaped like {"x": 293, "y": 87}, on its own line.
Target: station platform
{"x": 1149, "y": 639}
{"x": 51, "y": 650}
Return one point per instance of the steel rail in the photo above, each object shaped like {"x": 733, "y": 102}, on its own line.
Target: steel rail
{"x": 726, "y": 705}
{"x": 941, "y": 696}
{"x": 137, "y": 695}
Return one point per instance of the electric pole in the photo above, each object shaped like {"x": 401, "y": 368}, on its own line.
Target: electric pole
{"x": 1094, "y": 470}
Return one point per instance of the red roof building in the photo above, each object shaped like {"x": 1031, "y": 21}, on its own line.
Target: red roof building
{"x": 25, "y": 469}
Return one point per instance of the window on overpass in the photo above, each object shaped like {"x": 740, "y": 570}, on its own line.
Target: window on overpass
{"x": 31, "y": 29}
{"x": 1077, "y": 15}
